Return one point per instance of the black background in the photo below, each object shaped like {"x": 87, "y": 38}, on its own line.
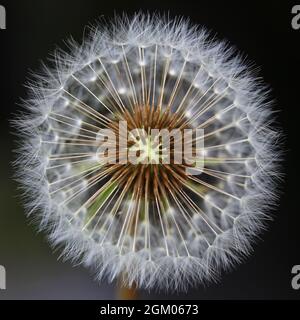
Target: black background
{"x": 260, "y": 29}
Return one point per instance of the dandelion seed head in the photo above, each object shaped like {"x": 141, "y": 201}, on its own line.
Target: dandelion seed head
{"x": 161, "y": 227}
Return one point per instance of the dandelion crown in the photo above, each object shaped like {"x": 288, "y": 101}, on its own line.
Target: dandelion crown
{"x": 152, "y": 224}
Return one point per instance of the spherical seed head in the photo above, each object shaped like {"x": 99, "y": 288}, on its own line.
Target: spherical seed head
{"x": 150, "y": 221}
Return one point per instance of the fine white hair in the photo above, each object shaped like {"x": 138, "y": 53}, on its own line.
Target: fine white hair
{"x": 186, "y": 235}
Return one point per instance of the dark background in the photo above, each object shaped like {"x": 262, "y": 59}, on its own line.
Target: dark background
{"x": 261, "y": 29}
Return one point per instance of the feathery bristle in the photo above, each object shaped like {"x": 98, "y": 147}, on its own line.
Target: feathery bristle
{"x": 161, "y": 226}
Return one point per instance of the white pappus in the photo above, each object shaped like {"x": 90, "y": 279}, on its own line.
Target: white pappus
{"x": 151, "y": 225}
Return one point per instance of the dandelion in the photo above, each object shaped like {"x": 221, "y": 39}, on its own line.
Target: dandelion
{"x": 150, "y": 223}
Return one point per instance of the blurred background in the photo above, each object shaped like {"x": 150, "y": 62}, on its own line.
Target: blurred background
{"x": 261, "y": 30}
